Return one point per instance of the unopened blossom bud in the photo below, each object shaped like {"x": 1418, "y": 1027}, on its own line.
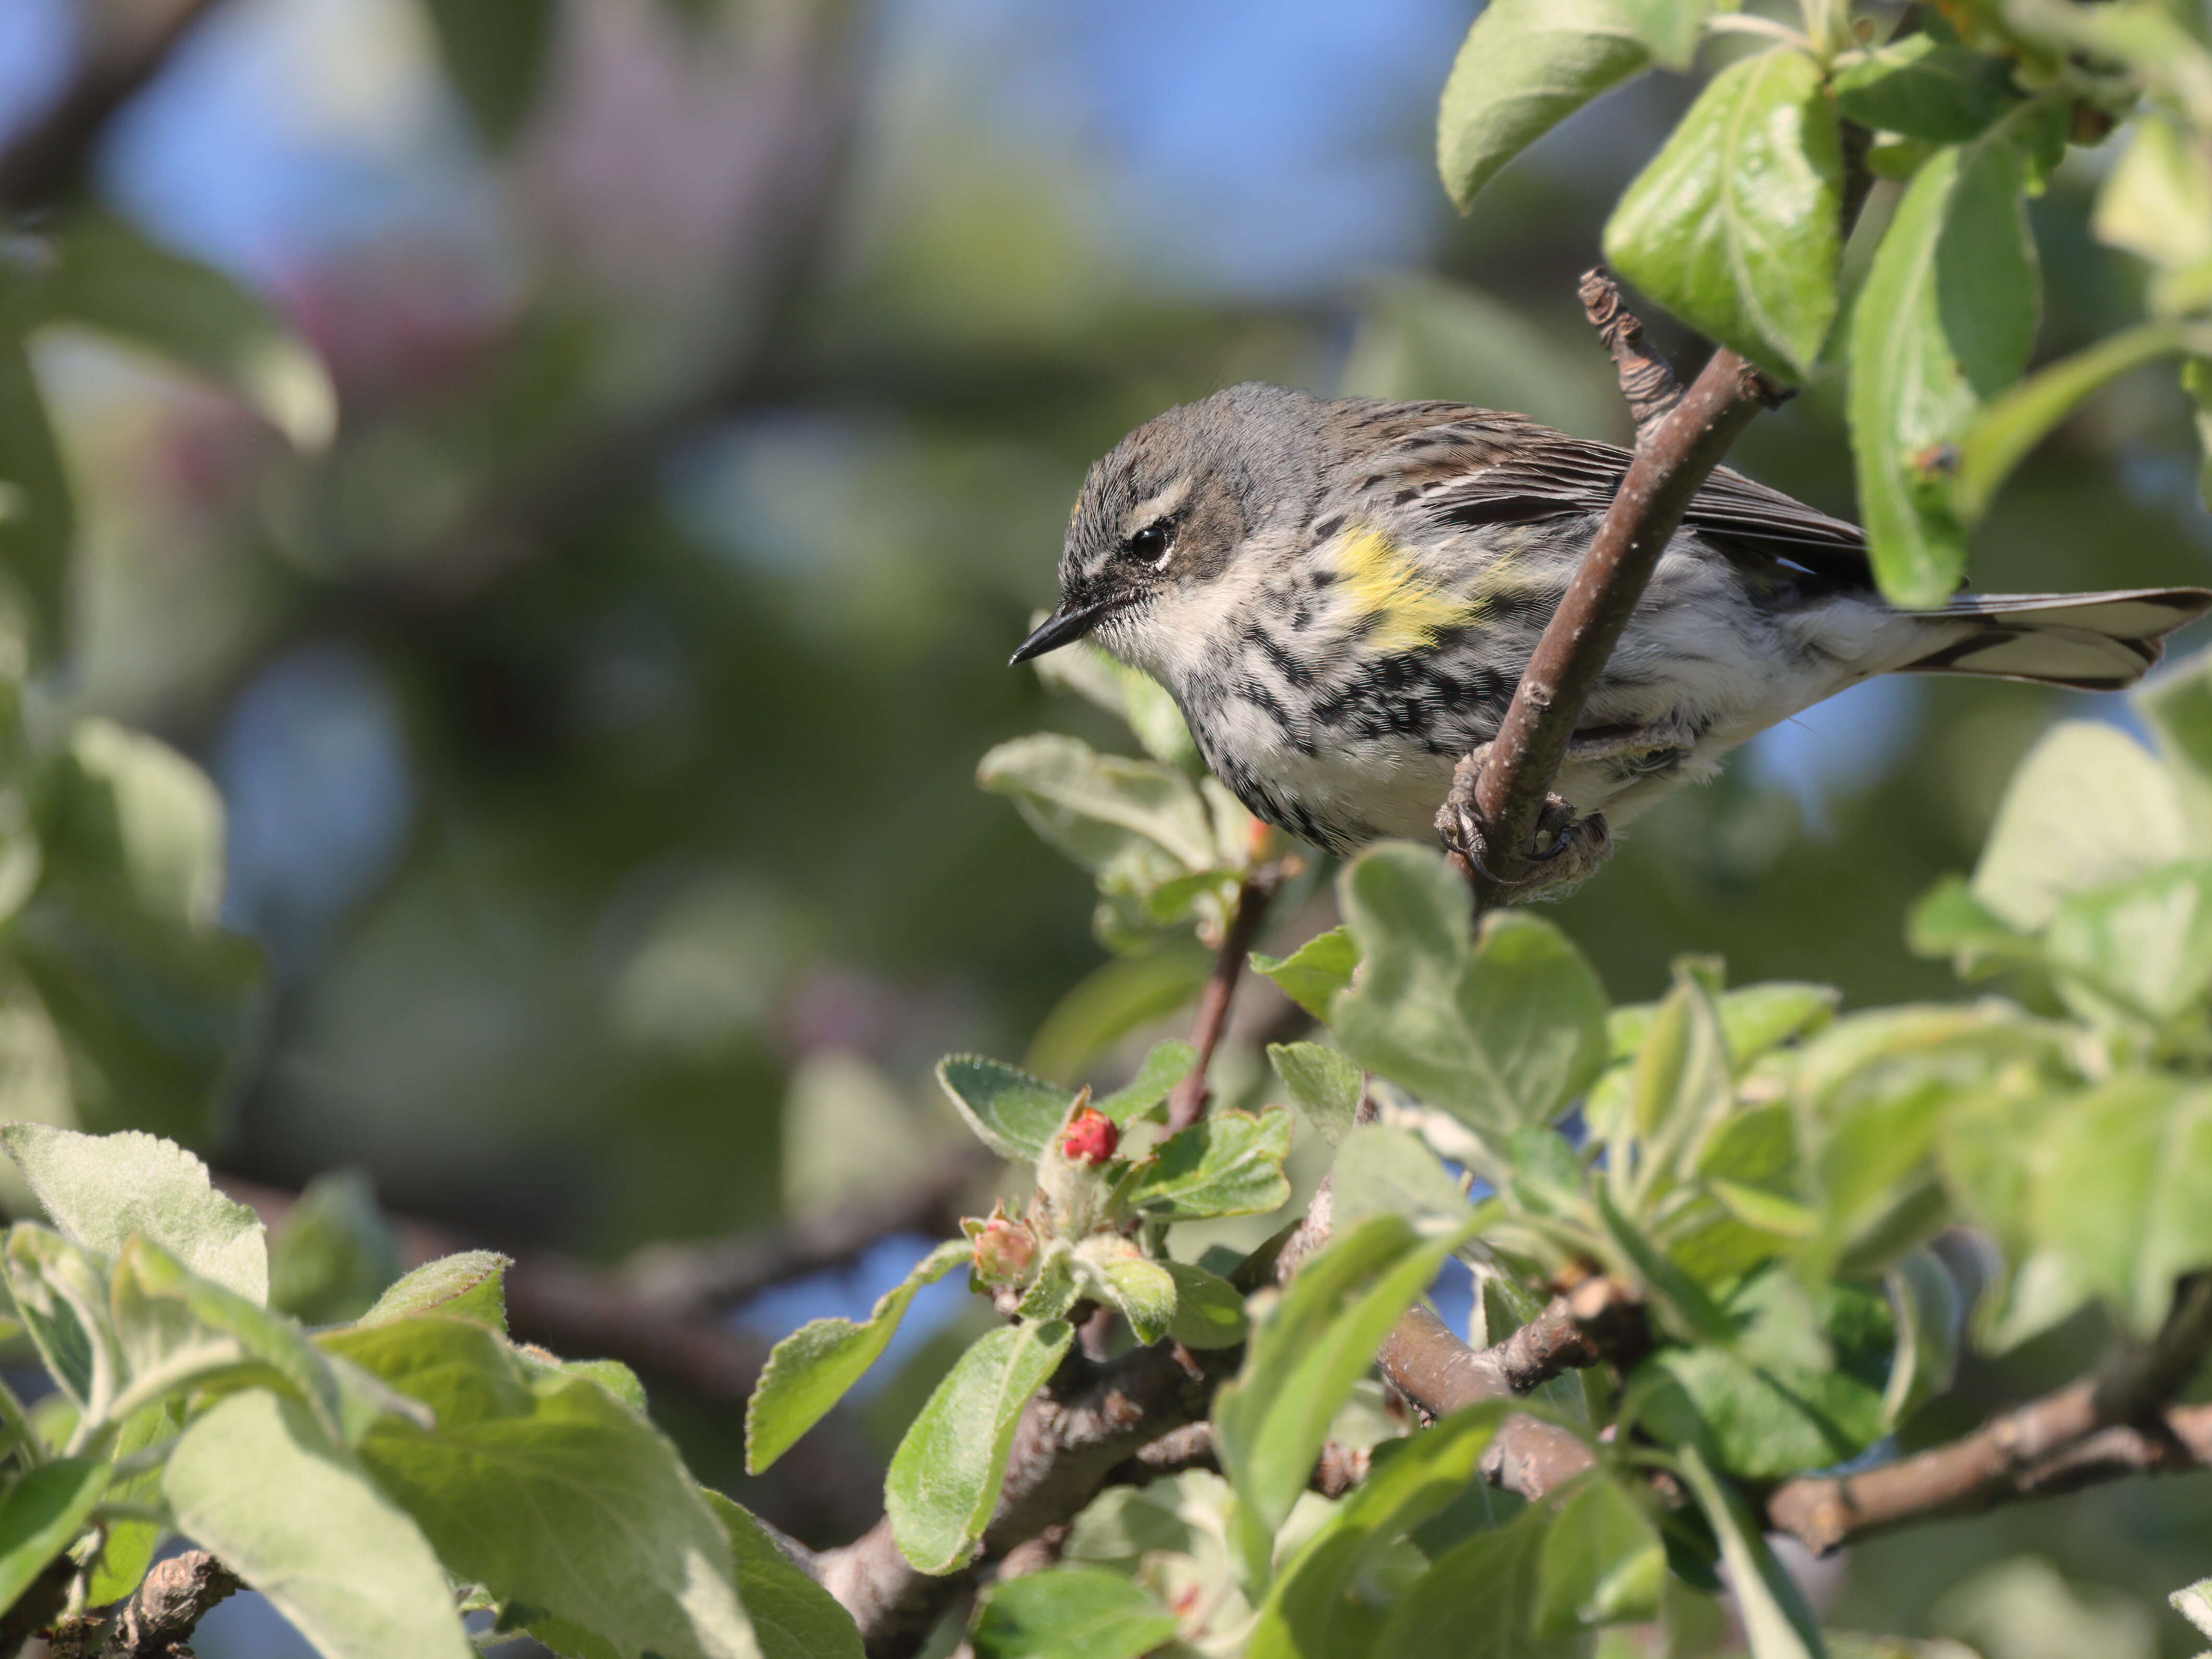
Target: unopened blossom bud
{"x": 1090, "y": 1138}
{"x": 1006, "y": 1250}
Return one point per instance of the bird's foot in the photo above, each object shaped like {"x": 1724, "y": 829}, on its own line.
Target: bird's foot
{"x": 1567, "y": 850}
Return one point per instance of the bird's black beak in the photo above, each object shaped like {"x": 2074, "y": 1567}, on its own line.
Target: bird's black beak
{"x": 1064, "y": 627}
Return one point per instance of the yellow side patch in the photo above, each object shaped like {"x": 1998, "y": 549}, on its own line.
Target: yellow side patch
{"x": 1380, "y": 582}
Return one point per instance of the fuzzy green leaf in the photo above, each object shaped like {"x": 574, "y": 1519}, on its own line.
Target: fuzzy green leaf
{"x": 1324, "y": 1083}
{"x": 1312, "y": 975}
{"x": 1525, "y": 66}
{"x": 1926, "y": 88}
{"x": 810, "y": 1370}
{"x": 471, "y": 1284}
{"x": 101, "y": 1189}
{"x": 1319, "y": 1603}
{"x": 1226, "y": 1164}
{"x": 1013, "y": 1114}
{"x": 1776, "y": 1623}
{"x": 1209, "y": 1312}
{"x": 1602, "y": 1562}
{"x": 1735, "y": 226}
{"x": 944, "y": 1477}
{"x": 1381, "y": 1170}
{"x": 1071, "y": 1613}
{"x": 41, "y": 1512}
{"x": 1942, "y": 324}
{"x": 1502, "y": 1031}
{"x": 793, "y": 1616}
{"x": 254, "y": 1481}
{"x": 1168, "y": 1064}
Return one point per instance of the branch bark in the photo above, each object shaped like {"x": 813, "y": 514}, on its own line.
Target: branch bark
{"x": 1187, "y": 1105}
{"x": 1679, "y": 443}
{"x": 44, "y": 163}
{"x": 158, "y": 1620}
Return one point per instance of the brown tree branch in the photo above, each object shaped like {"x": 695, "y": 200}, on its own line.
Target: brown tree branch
{"x": 1647, "y": 380}
{"x": 1089, "y": 1421}
{"x": 1187, "y": 1103}
{"x": 716, "y": 1274}
{"x": 48, "y": 157}
{"x": 158, "y": 1619}
{"x": 1675, "y": 452}
{"x": 2102, "y": 1428}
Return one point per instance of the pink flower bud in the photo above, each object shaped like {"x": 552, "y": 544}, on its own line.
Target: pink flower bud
{"x": 1091, "y": 1139}
{"x": 1006, "y": 1250}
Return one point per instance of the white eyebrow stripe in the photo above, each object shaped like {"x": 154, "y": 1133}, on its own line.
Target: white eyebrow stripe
{"x": 1156, "y": 509}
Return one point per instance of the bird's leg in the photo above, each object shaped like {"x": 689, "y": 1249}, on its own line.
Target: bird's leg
{"x": 1568, "y": 850}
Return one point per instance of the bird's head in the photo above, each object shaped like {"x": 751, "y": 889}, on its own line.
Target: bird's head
{"x": 1161, "y": 518}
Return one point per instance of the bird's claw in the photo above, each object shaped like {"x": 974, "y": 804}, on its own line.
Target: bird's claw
{"x": 1567, "y": 852}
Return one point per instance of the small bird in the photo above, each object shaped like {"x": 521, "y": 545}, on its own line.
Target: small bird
{"x": 1340, "y": 594}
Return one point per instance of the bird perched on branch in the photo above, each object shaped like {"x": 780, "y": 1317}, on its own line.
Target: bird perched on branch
{"x": 1340, "y": 595}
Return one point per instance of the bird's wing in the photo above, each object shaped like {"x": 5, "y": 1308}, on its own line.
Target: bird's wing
{"x": 1475, "y": 466}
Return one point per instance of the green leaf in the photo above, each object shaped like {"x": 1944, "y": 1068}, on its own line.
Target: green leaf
{"x": 1324, "y": 1084}
{"x": 2157, "y": 201}
{"x": 1602, "y": 1562}
{"x": 1929, "y": 1311}
{"x": 1502, "y": 1031}
{"x": 1321, "y": 1602}
{"x": 1776, "y": 1623}
{"x": 469, "y": 1285}
{"x": 1303, "y": 1359}
{"x": 944, "y": 1477}
{"x": 1144, "y": 1291}
{"x": 1209, "y": 1312}
{"x": 1943, "y": 322}
{"x": 1071, "y": 1613}
{"x": 2145, "y": 943}
{"x": 253, "y": 1480}
{"x": 1680, "y": 1083}
{"x": 1760, "y": 1018}
{"x": 41, "y": 1513}
{"x": 1226, "y": 1164}
{"x": 1525, "y": 66}
{"x": 496, "y": 55}
{"x": 1669, "y": 29}
{"x": 1131, "y": 695}
{"x": 553, "y": 1495}
{"x": 1736, "y": 225}
{"x": 2019, "y": 418}
{"x": 129, "y": 1547}
{"x": 1950, "y": 921}
{"x": 129, "y": 819}
{"x": 810, "y": 1370}
{"x": 2177, "y": 707}
{"x": 60, "y": 1293}
{"x": 38, "y": 520}
{"x": 1013, "y": 1114}
{"x": 2042, "y": 848}
{"x": 1926, "y": 88}
{"x": 333, "y": 1253}
{"x": 176, "y": 1331}
{"x": 1381, "y": 1170}
{"x": 1478, "y": 1601}
{"x": 2122, "y": 1189}
{"x": 101, "y": 1189}
{"x": 793, "y": 1616}
{"x": 1168, "y": 1064}
{"x": 1312, "y": 975}
{"x": 1093, "y": 806}
{"x": 108, "y": 276}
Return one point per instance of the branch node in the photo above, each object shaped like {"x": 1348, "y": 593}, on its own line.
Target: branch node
{"x": 1647, "y": 380}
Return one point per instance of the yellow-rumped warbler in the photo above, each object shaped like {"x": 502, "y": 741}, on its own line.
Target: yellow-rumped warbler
{"x": 1341, "y": 596}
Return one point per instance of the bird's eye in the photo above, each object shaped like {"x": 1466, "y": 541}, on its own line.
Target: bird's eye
{"x": 1151, "y": 544}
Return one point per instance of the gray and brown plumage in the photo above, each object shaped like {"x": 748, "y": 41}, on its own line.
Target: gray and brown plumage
{"x": 1341, "y": 596}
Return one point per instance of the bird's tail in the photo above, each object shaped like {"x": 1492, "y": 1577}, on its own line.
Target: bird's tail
{"x": 2090, "y": 642}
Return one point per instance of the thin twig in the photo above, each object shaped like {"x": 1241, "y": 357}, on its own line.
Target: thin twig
{"x": 716, "y": 1274}
{"x": 1336, "y": 1471}
{"x": 1647, "y": 380}
{"x": 1187, "y": 1105}
{"x": 1674, "y": 457}
{"x": 48, "y": 159}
